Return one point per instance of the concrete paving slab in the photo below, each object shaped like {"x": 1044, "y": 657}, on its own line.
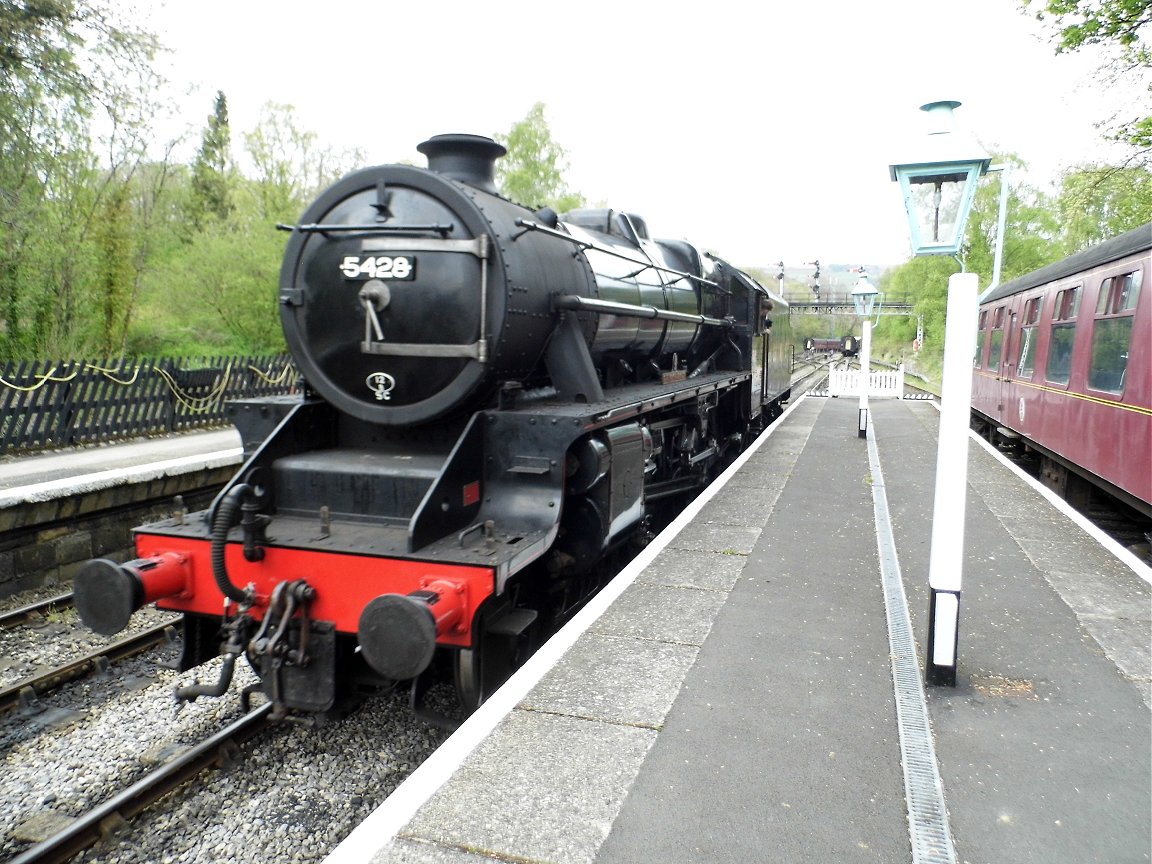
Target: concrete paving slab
{"x": 685, "y": 568}
{"x": 615, "y": 680}
{"x": 680, "y": 615}
{"x": 74, "y": 464}
{"x": 717, "y": 536}
{"x": 542, "y": 788}
{"x": 740, "y": 508}
{"x": 414, "y": 851}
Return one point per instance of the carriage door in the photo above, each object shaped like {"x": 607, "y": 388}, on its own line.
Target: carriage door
{"x": 995, "y": 363}
{"x": 1007, "y": 367}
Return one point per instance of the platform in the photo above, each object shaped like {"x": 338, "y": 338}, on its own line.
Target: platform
{"x": 736, "y": 694}
{"x": 77, "y": 470}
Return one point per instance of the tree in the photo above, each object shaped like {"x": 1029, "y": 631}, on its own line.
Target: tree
{"x": 1031, "y": 229}
{"x": 1097, "y": 202}
{"x": 72, "y": 81}
{"x": 1096, "y": 22}
{"x": 291, "y": 165}
{"x": 211, "y": 172}
{"x": 115, "y": 266}
{"x": 926, "y": 280}
{"x": 532, "y": 172}
{"x": 1117, "y": 24}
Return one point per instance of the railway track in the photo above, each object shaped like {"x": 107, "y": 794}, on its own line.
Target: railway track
{"x": 1127, "y": 527}
{"x": 40, "y": 609}
{"x": 109, "y": 816}
{"x": 808, "y": 374}
{"x": 23, "y": 692}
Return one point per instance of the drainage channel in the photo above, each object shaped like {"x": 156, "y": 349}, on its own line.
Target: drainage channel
{"x": 927, "y": 813}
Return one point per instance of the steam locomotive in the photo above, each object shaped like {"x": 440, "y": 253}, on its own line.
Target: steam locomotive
{"x": 497, "y": 401}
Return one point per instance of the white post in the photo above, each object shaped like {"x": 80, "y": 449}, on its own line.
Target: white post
{"x": 865, "y": 371}
{"x": 946, "y": 559}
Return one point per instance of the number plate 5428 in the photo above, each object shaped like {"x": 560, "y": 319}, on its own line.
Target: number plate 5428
{"x": 379, "y": 267}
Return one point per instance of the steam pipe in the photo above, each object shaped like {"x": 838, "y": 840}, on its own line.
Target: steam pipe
{"x": 611, "y": 307}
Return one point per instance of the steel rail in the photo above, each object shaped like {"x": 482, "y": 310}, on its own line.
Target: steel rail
{"x": 23, "y": 691}
{"x": 21, "y": 615}
{"x": 108, "y": 817}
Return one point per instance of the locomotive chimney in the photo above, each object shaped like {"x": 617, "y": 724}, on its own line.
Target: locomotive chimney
{"x": 470, "y": 159}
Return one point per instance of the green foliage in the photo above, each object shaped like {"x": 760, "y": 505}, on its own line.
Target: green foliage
{"x": 211, "y": 180}
{"x": 291, "y": 166}
{"x": 533, "y": 171}
{"x": 1094, "y": 22}
{"x": 216, "y": 294}
{"x": 926, "y": 280}
{"x": 1031, "y": 226}
{"x": 1117, "y": 24}
{"x": 38, "y": 40}
{"x": 1098, "y": 202}
{"x": 116, "y": 269}
{"x": 62, "y": 64}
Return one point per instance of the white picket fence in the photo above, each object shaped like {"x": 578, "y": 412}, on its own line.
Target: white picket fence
{"x": 882, "y": 383}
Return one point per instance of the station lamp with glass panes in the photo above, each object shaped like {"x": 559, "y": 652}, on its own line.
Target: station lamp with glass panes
{"x": 938, "y": 189}
{"x": 863, "y": 299}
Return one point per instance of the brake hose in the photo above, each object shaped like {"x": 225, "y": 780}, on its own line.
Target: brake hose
{"x": 225, "y": 519}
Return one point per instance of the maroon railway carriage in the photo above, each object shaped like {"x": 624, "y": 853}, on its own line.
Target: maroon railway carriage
{"x": 1064, "y": 365}
{"x": 849, "y": 345}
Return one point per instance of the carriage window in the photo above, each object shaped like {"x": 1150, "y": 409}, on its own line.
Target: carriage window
{"x": 996, "y": 347}
{"x": 1032, "y": 311}
{"x": 1104, "y": 297}
{"x": 1060, "y": 353}
{"x": 996, "y": 340}
{"x": 1110, "y": 340}
{"x": 1067, "y": 304}
{"x": 981, "y": 338}
{"x": 1025, "y": 363}
{"x": 1059, "y": 367}
{"x": 1129, "y": 291}
{"x": 1026, "y": 360}
{"x": 1112, "y": 331}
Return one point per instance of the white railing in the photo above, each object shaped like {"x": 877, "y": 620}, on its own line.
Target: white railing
{"x": 882, "y": 383}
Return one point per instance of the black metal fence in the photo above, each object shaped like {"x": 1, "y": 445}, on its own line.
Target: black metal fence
{"x": 46, "y": 404}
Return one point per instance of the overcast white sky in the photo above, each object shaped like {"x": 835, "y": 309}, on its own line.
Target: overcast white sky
{"x": 761, "y": 130}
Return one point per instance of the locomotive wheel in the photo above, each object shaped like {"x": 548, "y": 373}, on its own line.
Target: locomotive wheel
{"x": 504, "y": 641}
